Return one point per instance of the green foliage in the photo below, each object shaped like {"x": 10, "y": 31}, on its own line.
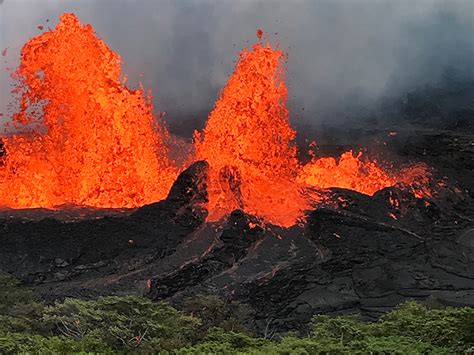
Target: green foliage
{"x": 394, "y": 345}
{"x": 219, "y": 341}
{"x": 19, "y": 310}
{"x": 122, "y": 322}
{"x": 133, "y": 324}
{"x": 342, "y": 328}
{"x": 451, "y": 327}
{"x": 409, "y": 327}
{"x": 15, "y": 343}
{"x": 235, "y": 339}
{"x": 215, "y": 312}
{"x": 309, "y": 345}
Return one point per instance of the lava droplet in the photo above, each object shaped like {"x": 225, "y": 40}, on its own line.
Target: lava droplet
{"x": 259, "y": 33}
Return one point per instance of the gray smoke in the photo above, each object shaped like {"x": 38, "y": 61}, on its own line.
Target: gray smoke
{"x": 342, "y": 54}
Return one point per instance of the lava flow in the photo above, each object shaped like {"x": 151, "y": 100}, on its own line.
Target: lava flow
{"x": 93, "y": 141}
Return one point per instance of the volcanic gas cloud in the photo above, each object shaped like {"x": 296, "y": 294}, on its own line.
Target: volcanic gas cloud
{"x": 87, "y": 139}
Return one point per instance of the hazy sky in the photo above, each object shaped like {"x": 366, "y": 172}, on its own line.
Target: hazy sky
{"x": 340, "y": 52}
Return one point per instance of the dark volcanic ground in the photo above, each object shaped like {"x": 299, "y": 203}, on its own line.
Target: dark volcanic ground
{"x": 351, "y": 256}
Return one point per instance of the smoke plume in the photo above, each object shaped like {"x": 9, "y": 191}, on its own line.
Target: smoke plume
{"x": 342, "y": 54}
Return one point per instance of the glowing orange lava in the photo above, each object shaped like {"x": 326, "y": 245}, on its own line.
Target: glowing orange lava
{"x": 350, "y": 172}
{"x": 97, "y": 143}
{"x": 366, "y": 176}
{"x": 248, "y": 142}
{"x": 92, "y": 141}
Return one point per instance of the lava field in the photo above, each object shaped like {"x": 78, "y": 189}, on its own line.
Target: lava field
{"x": 95, "y": 206}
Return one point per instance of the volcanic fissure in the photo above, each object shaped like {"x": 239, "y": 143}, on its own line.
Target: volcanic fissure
{"x": 90, "y": 140}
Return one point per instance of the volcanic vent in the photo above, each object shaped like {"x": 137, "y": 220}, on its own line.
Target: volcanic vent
{"x": 245, "y": 218}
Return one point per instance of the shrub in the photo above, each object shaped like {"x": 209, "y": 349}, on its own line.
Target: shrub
{"x": 122, "y": 322}
{"x": 410, "y": 326}
{"x": 134, "y": 324}
{"x": 394, "y": 345}
{"x": 19, "y": 309}
{"x": 219, "y": 341}
{"x": 341, "y": 328}
{"x": 215, "y": 312}
{"x": 14, "y": 343}
{"x": 450, "y": 327}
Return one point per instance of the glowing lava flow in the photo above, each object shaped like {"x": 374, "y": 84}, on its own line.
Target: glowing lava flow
{"x": 95, "y": 142}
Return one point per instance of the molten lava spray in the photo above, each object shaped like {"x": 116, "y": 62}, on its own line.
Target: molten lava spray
{"x": 247, "y": 142}
{"x": 96, "y": 143}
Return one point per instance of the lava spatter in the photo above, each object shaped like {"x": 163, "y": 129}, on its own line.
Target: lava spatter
{"x": 350, "y": 172}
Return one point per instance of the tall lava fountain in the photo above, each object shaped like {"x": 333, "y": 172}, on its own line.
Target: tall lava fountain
{"x": 248, "y": 142}
{"x": 95, "y": 141}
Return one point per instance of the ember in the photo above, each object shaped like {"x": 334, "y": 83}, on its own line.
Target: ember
{"x": 88, "y": 139}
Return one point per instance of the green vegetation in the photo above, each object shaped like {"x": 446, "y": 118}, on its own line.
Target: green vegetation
{"x": 208, "y": 325}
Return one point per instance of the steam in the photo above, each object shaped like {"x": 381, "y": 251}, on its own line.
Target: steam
{"x": 342, "y": 54}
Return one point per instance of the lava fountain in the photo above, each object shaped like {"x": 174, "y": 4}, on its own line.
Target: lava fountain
{"x": 89, "y": 140}
{"x": 248, "y": 142}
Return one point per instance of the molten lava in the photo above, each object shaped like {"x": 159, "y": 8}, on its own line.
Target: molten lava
{"x": 94, "y": 140}
{"x": 248, "y": 142}
{"x": 87, "y": 139}
{"x": 350, "y": 172}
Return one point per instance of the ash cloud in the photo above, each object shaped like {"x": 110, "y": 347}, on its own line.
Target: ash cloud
{"x": 343, "y": 55}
